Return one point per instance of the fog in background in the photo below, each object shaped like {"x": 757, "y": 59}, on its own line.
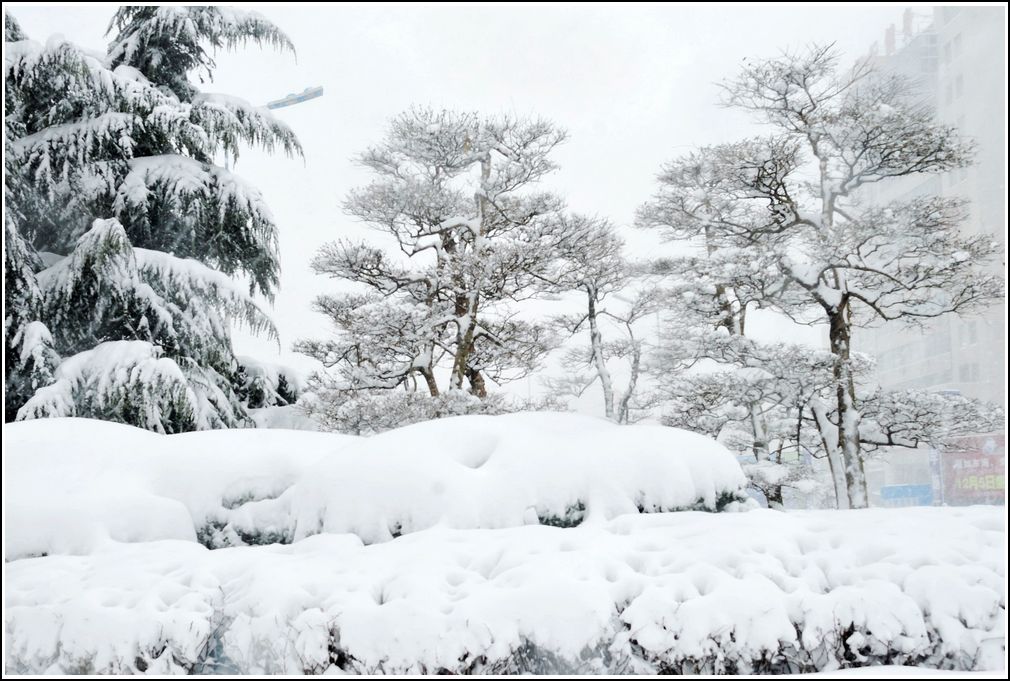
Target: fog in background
{"x": 633, "y": 85}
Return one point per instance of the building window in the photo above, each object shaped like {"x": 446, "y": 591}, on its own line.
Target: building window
{"x": 968, "y": 373}
{"x": 969, "y": 334}
{"x": 946, "y": 54}
{"x": 937, "y": 343}
{"x": 957, "y": 45}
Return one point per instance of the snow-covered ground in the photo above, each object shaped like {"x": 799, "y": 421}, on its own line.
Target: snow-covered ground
{"x": 139, "y": 575}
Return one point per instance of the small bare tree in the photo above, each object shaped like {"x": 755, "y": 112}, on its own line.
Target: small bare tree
{"x": 591, "y": 261}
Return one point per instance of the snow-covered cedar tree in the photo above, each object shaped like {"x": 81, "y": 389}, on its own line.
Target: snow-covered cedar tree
{"x": 591, "y": 262}
{"x": 835, "y": 131}
{"x": 29, "y": 358}
{"x": 116, "y": 193}
{"x": 465, "y": 234}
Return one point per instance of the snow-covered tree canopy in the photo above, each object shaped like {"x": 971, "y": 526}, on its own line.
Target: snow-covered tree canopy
{"x": 113, "y": 144}
{"x": 455, "y": 197}
{"x": 791, "y": 200}
{"x": 113, "y": 178}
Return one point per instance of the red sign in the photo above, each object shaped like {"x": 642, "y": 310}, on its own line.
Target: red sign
{"x": 974, "y": 470}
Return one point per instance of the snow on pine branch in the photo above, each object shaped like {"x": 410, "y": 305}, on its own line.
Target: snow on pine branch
{"x": 184, "y": 181}
{"x": 911, "y": 418}
{"x": 226, "y": 27}
{"x": 114, "y": 379}
{"x": 84, "y": 86}
{"x": 221, "y": 218}
{"x": 53, "y": 154}
{"x": 229, "y": 121}
{"x": 189, "y": 279}
{"x": 169, "y": 42}
{"x": 106, "y": 274}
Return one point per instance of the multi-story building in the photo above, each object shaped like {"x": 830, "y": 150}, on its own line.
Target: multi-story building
{"x": 956, "y": 62}
{"x": 955, "y": 57}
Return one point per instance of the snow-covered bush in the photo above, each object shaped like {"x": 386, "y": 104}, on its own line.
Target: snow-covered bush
{"x": 516, "y": 543}
{"x": 82, "y": 482}
{"x": 367, "y": 412}
{"x": 762, "y": 591}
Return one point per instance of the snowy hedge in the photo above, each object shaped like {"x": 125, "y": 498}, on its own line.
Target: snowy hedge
{"x": 78, "y": 483}
{"x": 762, "y": 591}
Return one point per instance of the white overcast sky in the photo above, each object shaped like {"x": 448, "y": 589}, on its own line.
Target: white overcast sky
{"x": 633, "y": 85}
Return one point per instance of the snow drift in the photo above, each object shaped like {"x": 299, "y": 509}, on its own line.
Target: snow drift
{"x": 75, "y": 483}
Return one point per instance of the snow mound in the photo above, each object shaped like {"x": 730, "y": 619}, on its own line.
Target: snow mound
{"x": 75, "y": 484}
{"x": 688, "y": 592}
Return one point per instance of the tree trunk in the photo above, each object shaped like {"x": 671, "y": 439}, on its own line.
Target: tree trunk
{"x": 464, "y": 342}
{"x": 840, "y": 331}
{"x": 467, "y": 305}
{"x": 829, "y": 439}
{"x": 477, "y": 386}
{"x": 758, "y": 432}
{"x": 429, "y": 379}
{"x": 624, "y": 409}
{"x": 596, "y": 342}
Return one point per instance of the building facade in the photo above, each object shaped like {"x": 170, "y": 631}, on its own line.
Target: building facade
{"x": 955, "y": 58}
{"x": 954, "y": 55}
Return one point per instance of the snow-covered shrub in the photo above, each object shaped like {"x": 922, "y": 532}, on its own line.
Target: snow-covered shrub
{"x": 82, "y": 482}
{"x": 291, "y": 417}
{"x": 367, "y": 412}
{"x": 762, "y": 591}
